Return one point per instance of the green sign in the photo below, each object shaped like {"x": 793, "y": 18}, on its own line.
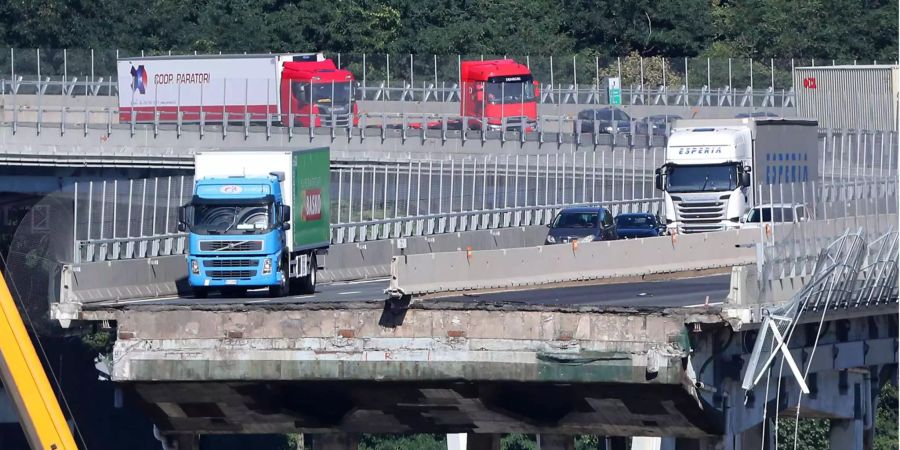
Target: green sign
{"x": 614, "y": 89}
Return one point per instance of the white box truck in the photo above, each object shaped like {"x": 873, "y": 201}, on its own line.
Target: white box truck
{"x": 714, "y": 168}
{"x": 236, "y": 88}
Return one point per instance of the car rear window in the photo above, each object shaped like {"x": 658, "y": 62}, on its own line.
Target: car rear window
{"x": 634, "y": 222}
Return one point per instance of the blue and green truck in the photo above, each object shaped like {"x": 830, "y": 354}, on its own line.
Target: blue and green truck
{"x": 257, "y": 219}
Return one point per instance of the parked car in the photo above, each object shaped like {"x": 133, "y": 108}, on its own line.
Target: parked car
{"x": 774, "y": 213}
{"x": 605, "y": 118}
{"x": 638, "y": 225}
{"x": 757, "y": 115}
{"x": 582, "y": 224}
{"x": 660, "y": 124}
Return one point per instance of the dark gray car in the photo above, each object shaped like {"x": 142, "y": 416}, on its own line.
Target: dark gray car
{"x": 583, "y": 224}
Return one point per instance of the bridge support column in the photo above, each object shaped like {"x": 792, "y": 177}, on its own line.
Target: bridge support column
{"x": 652, "y": 443}
{"x": 752, "y": 438}
{"x": 334, "y": 441}
{"x": 846, "y": 433}
{"x": 614, "y": 443}
{"x": 556, "y": 442}
{"x": 185, "y": 442}
{"x": 479, "y": 442}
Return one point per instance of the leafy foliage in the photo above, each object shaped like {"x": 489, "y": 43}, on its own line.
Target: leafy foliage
{"x": 822, "y": 29}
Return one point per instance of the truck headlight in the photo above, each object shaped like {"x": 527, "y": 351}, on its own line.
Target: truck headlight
{"x": 195, "y": 267}
{"x": 267, "y": 266}
{"x": 588, "y": 238}
{"x": 551, "y": 239}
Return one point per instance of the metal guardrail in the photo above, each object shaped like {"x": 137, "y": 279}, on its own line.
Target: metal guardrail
{"x": 96, "y": 250}
{"x": 444, "y": 92}
{"x": 343, "y": 233}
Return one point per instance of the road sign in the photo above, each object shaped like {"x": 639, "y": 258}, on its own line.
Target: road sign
{"x": 614, "y": 89}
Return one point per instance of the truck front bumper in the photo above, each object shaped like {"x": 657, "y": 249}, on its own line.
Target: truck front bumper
{"x": 246, "y": 271}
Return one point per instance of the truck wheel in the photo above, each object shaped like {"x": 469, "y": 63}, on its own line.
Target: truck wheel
{"x": 200, "y": 292}
{"x": 280, "y": 290}
{"x": 308, "y": 283}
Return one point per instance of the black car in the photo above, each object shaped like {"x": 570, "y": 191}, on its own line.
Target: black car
{"x": 659, "y": 124}
{"x": 583, "y": 224}
{"x": 608, "y": 120}
{"x": 639, "y": 225}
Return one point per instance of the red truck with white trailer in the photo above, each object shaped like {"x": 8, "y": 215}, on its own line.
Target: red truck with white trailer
{"x": 305, "y": 87}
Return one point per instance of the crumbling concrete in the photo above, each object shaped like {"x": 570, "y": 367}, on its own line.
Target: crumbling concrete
{"x": 432, "y": 367}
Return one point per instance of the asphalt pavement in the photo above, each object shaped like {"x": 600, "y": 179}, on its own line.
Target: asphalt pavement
{"x": 681, "y": 292}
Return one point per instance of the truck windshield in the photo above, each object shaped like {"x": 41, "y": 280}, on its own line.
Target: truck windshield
{"x": 702, "y": 178}
{"x": 212, "y": 218}
{"x": 337, "y": 93}
{"x": 509, "y": 92}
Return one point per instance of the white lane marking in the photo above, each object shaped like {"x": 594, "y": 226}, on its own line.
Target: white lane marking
{"x": 349, "y": 292}
{"x": 376, "y": 280}
{"x": 263, "y": 300}
{"x": 700, "y": 305}
{"x": 142, "y": 300}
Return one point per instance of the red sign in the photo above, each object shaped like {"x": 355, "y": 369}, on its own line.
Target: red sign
{"x": 312, "y": 205}
{"x": 809, "y": 82}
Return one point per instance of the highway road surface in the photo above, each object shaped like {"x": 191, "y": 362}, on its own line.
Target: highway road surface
{"x": 681, "y": 292}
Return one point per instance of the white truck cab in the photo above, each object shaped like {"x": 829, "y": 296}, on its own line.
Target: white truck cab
{"x": 712, "y": 167}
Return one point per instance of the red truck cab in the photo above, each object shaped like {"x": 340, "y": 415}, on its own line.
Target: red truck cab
{"x": 496, "y": 89}
{"x": 318, "y": 93}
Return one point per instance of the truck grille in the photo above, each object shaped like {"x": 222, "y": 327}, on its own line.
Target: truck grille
{"x": 336, "y": 120}
{"x": 231, "y": 263}
{"x": 231, "y": 274}
{"x": 230, "y": 246}
{"x": 700, "y": 216}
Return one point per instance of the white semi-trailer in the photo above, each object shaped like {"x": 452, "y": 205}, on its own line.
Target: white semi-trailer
{"x": 714, "y": 168}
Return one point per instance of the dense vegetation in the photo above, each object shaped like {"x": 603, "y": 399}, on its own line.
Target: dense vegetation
{"x": 822, "y": 29}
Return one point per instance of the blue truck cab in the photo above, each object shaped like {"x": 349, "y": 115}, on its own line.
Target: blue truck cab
{"x": 236, "y": 237}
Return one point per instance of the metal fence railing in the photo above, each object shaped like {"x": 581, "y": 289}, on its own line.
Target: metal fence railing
{"x": 390, "y": 74}
{"x": 870, "y": 205}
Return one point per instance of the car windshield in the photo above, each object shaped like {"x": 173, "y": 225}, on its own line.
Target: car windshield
{"x": 635, "y": 222}
{"x": 576, "y": 220}
{"x": 337, "y": 93}
{"x": 509, "y": 92}
{"x": 702, "y": 178}
{"x": 770, "y": 214}
{"x": 605, "y": 114}
{"x": 211, "y": 218}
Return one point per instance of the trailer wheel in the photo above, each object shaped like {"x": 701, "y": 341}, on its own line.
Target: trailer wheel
{"x": 200, "y": 292}
{"x": 308, "y": 283}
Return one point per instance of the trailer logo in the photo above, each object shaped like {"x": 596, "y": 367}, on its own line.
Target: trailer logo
{"x": 231, "y": 189}
{"x": 139, "y": 79}
{"x": 809, "y": 82}
{"x": 700, "y": 151}
{"x": 312, "y": 205}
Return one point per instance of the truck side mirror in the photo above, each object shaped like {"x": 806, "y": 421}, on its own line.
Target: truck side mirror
{"x": 181, "y": 227}
{"x": 745, "y": 179}
{"x": 286, "y": 226}
{"x": 183, "y": 213}
{"x": 660, "y": 180}
{"x": 537, "y": 89}
{"x": 285, "y": 214}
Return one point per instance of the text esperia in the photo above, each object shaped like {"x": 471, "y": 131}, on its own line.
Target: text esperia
{"x": 181, "y": 78}
{"x": 700, "y": 151}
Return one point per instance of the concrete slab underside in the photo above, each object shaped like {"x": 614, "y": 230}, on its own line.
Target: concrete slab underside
{"x": 438, "y": 407}
{"x": 432, "y": 367}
